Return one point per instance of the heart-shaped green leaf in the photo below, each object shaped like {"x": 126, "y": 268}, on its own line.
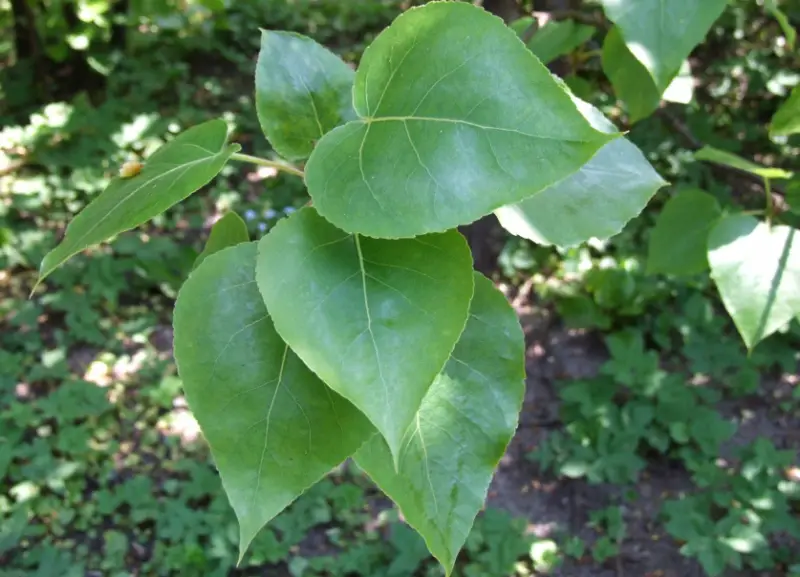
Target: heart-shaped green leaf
{"x": 662, "y": 34}
{"x": 469, "y": 415}
{"x": 229, "y": 230}
{"x": 375, "y": 319}
{"x": 302, "y": 91}
{"x": 595, "y": 202}
{"x": 457, "y": 118}
{"x": 172, "y": 173}
{"x": 757, "y": 271}
{"x": 274, "y": 428}
{"x": 679, "y": 239}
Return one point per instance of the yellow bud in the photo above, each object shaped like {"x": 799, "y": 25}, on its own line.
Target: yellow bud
{"x": 130, "y": 169}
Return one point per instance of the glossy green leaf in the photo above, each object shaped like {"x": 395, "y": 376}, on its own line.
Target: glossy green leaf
{"x": 631, "y": 81}
{"x": 595, "y": 202}
{"x": 302, "y": 91}
{"x": 679, "y": 240}
{"x": 173, "y": 172}
{"x": 274, "y": 428}
{"x": 661, "y": 34}
{"x": 787, "y": 119}
{"x": 757, "y": 271}
{"x": 461, "y": 431}
{"x": 457, "y": 118}
{"x": 554, "y": 39}
{"x": 375, "y": 319}
{"x": 229, "y": 230}
{"x": 717, "y": 156}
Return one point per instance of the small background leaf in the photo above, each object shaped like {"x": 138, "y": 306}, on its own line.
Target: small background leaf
{"x": 787, "y": 119}
{"x": 662, "y": 34}
{"x": 302, "y": 91}
{"x": 466, "y": 420}
{"x": 273, "y": 426}
{"x": 679, "y": 240}
{"x": 556, "y": 38}
{"x": 725, "y": 158}
{"x": 229, "y": 230}
{"x": 757, "y": 271}
{"x": 630, "y": 79}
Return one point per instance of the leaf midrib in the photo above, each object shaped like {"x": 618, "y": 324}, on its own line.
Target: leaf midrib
{"x": 369, "y": 326}
{"x": 370, "y": 120}
{"x": 79, "y": 240}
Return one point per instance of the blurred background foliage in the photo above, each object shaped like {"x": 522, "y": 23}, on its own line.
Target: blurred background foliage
{"x": 102, "y": 470}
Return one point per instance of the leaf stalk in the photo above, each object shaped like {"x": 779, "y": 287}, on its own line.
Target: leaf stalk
{"x": 279, "y": 165}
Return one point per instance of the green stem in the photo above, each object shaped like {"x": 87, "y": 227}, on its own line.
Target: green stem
{"x": 768, "y": 192}
{"x": 276, "y": 164}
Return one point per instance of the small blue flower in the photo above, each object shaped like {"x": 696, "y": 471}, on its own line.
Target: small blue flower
{"x": 269, "y": 213}
{"x": 289, "y": 210}
{"x": 262, "y": 227}
{"x": 249, "y": 214}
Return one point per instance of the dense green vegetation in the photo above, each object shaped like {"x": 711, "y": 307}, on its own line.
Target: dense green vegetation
{"x": 102, "y": 469}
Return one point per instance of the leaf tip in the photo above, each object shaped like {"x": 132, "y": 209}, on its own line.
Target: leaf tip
{"x": 246, "y": 537}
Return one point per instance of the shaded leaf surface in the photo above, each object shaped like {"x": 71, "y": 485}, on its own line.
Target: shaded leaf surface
{"x": 274, "y": 428}
{"x": 375, "y": 319}
{"x": 302, "y": 91}
{"x": 230, "y": 230}
{"x": 172, "y": 173}
{"x": 662, "y": 33}
{"x": 467, "y": 419}
{"x": 595, "y": 202}
{"x": 787, "y": 119}
{"x": 630, "y": 79}
{"x": 725, "y": 158}
{"x": 554, "y": 39}
{"x": 679, "y": 240}
{"x": 757, "y": 271}
{"x": 453, "y": 111}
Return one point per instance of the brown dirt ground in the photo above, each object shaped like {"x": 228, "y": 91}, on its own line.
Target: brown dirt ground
{"x": 554, "y": 506}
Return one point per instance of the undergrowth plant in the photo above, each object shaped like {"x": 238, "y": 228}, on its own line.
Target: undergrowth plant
{"x": 356, "y": 327}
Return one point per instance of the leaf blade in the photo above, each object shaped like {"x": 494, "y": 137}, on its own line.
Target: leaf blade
{"x": 240, "y": 377}
{"x": 172, "y": 173}
{"x": 787, "y": 119}
{"x": 228, "y": 231}
{"x": 678, "y": 242}
{"x": 459, "y": 146}
{"x": 596, "y": 202}
{"x": 631, "y": 81}
{"x": 661, "y": 37}
{"x": 556, "y": 38}
{"x": 757, "y": 271}
{"x": 465, "y": 441}
{"x": 356, "y": 311}
{"x": 303, "y": 90}
{"x": 725, "y": 158}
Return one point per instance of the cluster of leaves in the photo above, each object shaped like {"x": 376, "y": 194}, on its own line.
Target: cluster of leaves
{"x": 731, "y": 521}
{"x": 381, "y": 290}
{"x": 599, "y": 206}
{"x": 630, "y": 409}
